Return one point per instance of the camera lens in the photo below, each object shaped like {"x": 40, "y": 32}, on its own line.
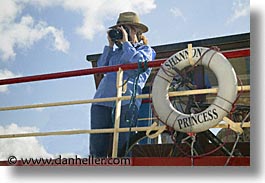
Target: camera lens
{"x": 115, "y": 34}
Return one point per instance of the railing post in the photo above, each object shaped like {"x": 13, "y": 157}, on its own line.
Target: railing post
{"x": 117, "y": 113}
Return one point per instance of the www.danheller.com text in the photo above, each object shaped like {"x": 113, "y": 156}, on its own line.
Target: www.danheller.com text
{"x": 90, "y": 160}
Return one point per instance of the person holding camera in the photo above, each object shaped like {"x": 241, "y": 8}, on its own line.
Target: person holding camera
{"x": 126, "y": 45}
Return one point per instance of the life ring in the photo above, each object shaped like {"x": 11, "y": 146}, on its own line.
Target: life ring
{"x": 210, "y": 117}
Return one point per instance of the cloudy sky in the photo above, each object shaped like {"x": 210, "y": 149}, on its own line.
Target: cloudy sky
{"x": 47, "y": 36}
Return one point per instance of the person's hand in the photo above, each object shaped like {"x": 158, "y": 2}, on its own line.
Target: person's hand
{"x": 144, "y": 39}
{"x": 125, "y": 35}
{"x": 111, "y": 43}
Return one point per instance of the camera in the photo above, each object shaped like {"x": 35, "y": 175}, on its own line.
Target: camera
{"x": 116, "y": 34}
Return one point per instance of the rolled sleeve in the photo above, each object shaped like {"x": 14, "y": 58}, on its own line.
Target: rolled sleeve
{"x": 134, "y": 55}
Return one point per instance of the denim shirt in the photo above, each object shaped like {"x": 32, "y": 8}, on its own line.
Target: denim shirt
{"x": 124, "y": 55}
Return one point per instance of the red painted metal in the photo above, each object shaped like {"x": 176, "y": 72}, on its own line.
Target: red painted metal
{"x": 185, "y": 161}
{"x": 156, "y": 63}
{"x": 155, "y": 161}
{"x": 82, "y": 72}
{"x": 237, "y": 53}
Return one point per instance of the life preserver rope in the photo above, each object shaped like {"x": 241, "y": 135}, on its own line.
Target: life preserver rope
{"x": 227, "y": 90}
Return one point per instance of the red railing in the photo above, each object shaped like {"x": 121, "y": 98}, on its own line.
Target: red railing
{"x": 156, "y": 63}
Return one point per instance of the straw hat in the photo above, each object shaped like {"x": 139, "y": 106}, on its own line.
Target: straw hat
{"x": 130, "y": 18}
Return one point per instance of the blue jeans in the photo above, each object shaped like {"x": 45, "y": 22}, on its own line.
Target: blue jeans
{"x": 101, "y": 118}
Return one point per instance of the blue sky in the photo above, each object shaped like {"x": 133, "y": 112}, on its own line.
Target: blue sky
{"x": 43, "y": 36}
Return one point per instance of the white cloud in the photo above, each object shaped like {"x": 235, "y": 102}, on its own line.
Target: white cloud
{"x": 24, "y": 147}
{"x": 240, "y": 8}
{"x": 5, "y": 74}
{"x": 21, "y": 147}
{"x": 18, "y": 31}
{"x": 177, "y": 13}
{"x": 60, "y": 43}
{"x": 23, "y": 31}
{"x": 95, "y": 13}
